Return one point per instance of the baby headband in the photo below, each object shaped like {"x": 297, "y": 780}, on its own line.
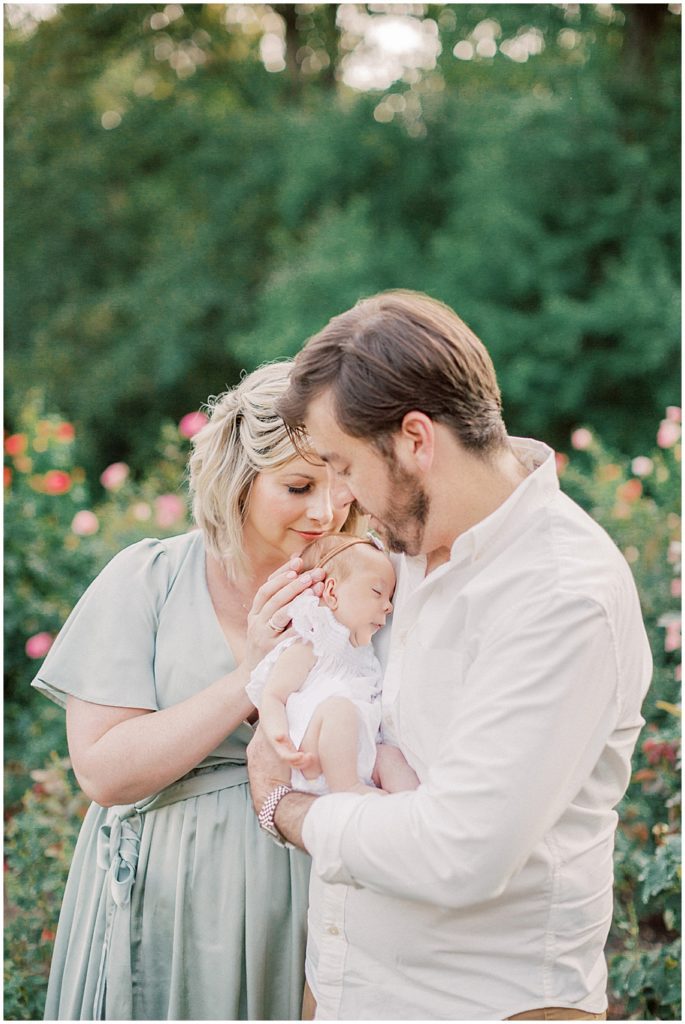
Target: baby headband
{"x": 370, "y": 538}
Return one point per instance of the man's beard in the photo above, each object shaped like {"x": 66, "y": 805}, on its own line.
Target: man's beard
{"x": 404, "y": 522}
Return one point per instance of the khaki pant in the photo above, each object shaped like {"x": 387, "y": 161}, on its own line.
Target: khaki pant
{"x": 308, "y": 1004}
{"x": 547, "y": 1013}
{"x": 557, "y": 1013}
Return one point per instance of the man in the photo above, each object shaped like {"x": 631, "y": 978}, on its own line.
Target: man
{"x": 516, "y": 667}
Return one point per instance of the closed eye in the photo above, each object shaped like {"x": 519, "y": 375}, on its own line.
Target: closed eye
{"x": 299, "y": 490}
{"x": 376, "y": 591}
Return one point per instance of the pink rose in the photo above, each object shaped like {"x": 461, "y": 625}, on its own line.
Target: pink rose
{"x": 561, "y": 461}
{"x": 676, "y": 587}
{"x": 65, "y": 432}
{"x": 113, "y": 477}
{"x": 38, "y": 645}
{"x": 668, "y": 433}
{"x": 672, "y": 639}
{"x": 56, "y": 482}
{"x": 85, "y": 523}
{"x": 581, "y": 439}
{"x": 670, "y": 621}
{"x": 191, "y": 423}
{"x": 673, "y": 413}
{"x": 16, "y": 444}
{"x": 630, "y": 490}
{"x": 642, "y": 466}
{"x": 169, "y": 509}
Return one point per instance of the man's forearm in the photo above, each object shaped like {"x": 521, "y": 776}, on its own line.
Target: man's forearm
{"x": 290, "y": 814}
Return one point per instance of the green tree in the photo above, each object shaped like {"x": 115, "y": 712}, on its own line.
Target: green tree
{"x": 176, "y": 211}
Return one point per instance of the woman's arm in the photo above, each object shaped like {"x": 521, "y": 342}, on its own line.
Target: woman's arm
{"x": 121, "y": 755}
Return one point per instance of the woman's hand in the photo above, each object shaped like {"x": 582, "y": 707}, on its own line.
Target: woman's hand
{"x": 267, "y": 621}
{"x": 391, "y": 772}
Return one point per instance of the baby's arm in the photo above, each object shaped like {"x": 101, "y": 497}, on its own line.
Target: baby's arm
{"x": 287, "y": 676}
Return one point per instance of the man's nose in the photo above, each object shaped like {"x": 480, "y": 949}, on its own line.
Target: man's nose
{"x": 341, "y": 495}
{"x": 321, "y": 506}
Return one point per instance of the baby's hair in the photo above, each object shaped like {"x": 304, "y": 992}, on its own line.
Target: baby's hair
{"x": 333, "y": 550}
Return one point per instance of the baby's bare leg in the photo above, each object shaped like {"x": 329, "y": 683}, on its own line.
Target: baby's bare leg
{"x": 333, "y": 734}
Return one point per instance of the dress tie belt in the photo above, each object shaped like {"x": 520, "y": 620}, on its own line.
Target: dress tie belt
{"x": 118, "y": 848}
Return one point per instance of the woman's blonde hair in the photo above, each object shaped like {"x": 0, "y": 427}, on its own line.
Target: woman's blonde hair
{"x": 244, "y": 436}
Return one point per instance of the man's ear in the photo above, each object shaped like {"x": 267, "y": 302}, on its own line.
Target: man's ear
{"x": 417, "y": 439}
{"x": 329, "y": 595}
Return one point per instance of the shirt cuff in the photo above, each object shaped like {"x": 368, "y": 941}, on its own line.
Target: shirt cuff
{"x": 322, "y": 834}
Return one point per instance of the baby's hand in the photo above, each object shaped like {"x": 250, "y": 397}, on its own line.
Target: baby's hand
{"x": 288, "y": 752}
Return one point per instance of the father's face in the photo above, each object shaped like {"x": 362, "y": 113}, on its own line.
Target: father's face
{"x": 389, "y": 492}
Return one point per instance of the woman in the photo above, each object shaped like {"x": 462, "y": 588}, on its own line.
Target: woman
{"x": 177, "y": 906}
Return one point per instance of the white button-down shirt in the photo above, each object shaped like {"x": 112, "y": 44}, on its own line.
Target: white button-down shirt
{"x": 514, "y": 678}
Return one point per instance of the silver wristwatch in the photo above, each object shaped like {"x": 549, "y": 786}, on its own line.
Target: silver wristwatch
{"x": 266, "y": 815}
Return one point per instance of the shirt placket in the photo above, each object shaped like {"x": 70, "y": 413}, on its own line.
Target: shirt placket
{"x": 333, "y": 948}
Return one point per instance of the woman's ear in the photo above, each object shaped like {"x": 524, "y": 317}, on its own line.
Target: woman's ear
{"x": 329, "y": 595}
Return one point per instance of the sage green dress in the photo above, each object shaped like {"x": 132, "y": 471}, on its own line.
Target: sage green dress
{"x": 177, "y": 907}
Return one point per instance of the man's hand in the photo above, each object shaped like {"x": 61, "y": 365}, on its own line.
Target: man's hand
{"x": 266, "y": 771}
{"x": 265, "y": 768}
{"x": 391, "y": 772}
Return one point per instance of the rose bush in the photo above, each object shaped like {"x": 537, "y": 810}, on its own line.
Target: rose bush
{"x": 638, "y": 503}
{"x": 60, "y": 530}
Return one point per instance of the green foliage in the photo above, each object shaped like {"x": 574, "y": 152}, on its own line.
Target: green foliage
{"x": 637, "y": 502}
{"x": 176, "y": 212}
{"x": 39, "y": 842}
{"x": 52, "y": 552}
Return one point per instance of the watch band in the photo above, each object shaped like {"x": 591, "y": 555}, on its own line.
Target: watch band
{"x": 266, "y": 815}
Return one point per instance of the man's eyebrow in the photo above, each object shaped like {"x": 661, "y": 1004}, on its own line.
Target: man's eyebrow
{"x": 330, "y": 457}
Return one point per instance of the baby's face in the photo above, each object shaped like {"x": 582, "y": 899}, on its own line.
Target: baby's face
{"x": 363, "y": 597}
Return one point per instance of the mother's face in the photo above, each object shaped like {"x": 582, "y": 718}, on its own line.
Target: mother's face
{"x": 291, "y": 506}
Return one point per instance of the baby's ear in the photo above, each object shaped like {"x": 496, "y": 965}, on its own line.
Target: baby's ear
{"x": 329, "y": 595}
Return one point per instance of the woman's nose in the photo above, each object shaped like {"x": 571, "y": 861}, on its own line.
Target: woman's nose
{"x": 388, "y": 607}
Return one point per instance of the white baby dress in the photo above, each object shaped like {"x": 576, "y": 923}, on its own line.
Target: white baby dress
{"x": 341, "y": 670}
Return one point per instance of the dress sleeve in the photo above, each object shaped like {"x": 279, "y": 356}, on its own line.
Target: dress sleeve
{"x": 105, "y": 651}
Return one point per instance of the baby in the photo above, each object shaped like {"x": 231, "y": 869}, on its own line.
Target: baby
{"x": 317, "y": 691}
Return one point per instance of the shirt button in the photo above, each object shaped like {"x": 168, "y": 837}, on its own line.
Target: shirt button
{"x": 332, "y": 930}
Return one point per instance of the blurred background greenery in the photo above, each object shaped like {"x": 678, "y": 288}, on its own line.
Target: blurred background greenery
{"x": 191, "y": 190}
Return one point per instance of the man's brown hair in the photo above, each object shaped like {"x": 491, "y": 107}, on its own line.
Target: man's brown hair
{"x": 390, "y": 354}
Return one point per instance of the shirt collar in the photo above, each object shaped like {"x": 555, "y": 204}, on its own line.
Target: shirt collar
{"x": 538, "y": 489}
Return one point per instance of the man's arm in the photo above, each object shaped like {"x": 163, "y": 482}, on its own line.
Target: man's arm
{"x": 267, "y": 770}
{"x": 535, "y": 711}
